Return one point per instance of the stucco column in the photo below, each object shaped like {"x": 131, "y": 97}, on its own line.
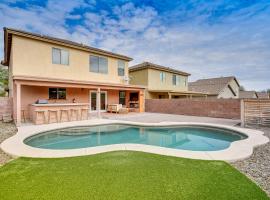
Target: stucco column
{"x": 18, "y": 104}
{"x": 141, "y": 101}
{"x": 98, "y": 102}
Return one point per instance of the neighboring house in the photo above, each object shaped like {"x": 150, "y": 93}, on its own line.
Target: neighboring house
{"x": 161, "y": 82}
{"x": 223, "y": 87}
{"x": 67, "y": 73}
{"x": 263, "y": 95}
{"x": 248, "y": 95}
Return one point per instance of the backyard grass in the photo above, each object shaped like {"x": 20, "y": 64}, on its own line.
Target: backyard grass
{"x": 124, "y": 175}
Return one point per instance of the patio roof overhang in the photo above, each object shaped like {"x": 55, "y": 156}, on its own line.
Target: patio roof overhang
{"x": 52, "y": 82}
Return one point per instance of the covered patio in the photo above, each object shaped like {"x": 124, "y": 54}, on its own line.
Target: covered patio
{"x": 52, "y": 100}
{"x": 171, "y": 94}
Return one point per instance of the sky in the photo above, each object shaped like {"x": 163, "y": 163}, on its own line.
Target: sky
{"x": 204, "y": 38}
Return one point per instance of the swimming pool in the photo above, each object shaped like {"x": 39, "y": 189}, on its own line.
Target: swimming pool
{"x": 193, "y": 138}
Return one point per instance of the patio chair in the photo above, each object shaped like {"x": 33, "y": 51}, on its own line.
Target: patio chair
{"x": 114, "y": 108}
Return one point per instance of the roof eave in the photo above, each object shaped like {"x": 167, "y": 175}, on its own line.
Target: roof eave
{"x": 55, "y": 41}
{"x": 152, "y": 67}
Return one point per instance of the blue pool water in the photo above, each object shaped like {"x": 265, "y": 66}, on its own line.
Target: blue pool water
{"x": 181, "y": 137}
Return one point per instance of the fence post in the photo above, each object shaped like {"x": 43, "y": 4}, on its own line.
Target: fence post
{"x": 242, "y": 110}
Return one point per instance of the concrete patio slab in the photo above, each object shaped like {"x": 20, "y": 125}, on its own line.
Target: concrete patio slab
{"x": 237, "y": 150}
{"x": 159, "y": 117}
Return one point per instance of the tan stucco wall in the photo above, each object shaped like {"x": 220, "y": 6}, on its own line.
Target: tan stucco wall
{"x": 227, "y": 93}
{"x": 31, "y": 93}
{"x": 139, "y": 77}
{"x": 34, "y": 58}
{"x": 151, "y": 79}
{"x": 154, "y": 82}
{"x": 155, "y": 95}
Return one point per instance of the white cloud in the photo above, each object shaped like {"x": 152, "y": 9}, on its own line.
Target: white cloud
{"x": 238, "y": 45}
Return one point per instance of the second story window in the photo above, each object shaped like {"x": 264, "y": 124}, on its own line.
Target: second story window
{"x": 60, "y": 56}
{"x": 176, "y": 79}
{"x": 162, "y": 77}
{"x": 98, "y": 64}
{"x": 121, "y": 68}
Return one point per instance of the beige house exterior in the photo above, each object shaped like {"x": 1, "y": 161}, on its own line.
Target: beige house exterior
{"x": 41, "y": 67}
{"x": 220, "y": 88}
{"x": 161, "y": 82}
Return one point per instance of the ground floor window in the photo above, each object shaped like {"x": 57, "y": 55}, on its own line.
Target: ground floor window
{"x": 122, "y": 97}
{"x": 57, "y": 93}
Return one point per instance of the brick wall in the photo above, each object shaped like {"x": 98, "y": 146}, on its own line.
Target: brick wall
{"x": 220, "y": 108}
{"x": 5, "y": 106}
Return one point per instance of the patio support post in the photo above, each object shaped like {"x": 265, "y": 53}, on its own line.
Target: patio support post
{"x": 141, "y": 101}
{"x": 18, "y": 104}
{"x": 98, "y": 102}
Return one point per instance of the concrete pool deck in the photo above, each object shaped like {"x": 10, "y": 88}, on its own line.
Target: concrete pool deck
{"x": 238, "y": 150}
{"x": 160, "y": 117}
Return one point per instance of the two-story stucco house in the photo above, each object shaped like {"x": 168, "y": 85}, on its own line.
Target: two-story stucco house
{"x": 55, "y": 77}
{"x": 161, "y": 82}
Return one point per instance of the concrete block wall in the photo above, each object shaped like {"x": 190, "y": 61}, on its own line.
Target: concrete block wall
{"x": 219, "y": 108}
{"x": 5, "y": 106}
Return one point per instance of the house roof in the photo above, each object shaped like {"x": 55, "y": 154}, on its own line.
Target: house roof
{"x": 212, "y": 86}
{"x": 148, "y": 65}
{"x": 263, "y": 95}
{"x": 8, "y": 32}
{"x": 247, "y": 94}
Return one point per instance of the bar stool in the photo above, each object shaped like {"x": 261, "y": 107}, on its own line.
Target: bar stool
{"x": 42, "y": 112}
{"x": 76, "y": 112}
{"x": 86, "y": 111}
{"x": 55, "y": 112}
{"x": 62, "y": 111}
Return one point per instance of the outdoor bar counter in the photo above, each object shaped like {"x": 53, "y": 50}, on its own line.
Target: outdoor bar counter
{"x": 58, "y": 112}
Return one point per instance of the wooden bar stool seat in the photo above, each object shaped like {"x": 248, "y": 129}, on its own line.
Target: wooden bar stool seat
{"x": 42, "y": 112}
{"x": 84, "y": 110}
{"x": 76, "y": 112}
{"x": 64, "y": 111}
{"x": 50, "y": 112}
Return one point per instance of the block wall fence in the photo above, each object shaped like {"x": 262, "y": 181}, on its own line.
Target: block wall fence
{"x": 220, "y": 108}
{"x": 5, "y": 106}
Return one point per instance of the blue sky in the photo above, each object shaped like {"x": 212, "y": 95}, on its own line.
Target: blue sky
{"x": 205, "y": 38}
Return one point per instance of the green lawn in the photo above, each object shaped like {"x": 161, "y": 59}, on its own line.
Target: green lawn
{"x": 124, "y": 175}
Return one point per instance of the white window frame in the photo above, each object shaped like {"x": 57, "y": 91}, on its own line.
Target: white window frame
{"x": 61, "y": 60}
{"x": 162, "y": 77}
{"x": 106, "y": 100}
{"x": 177, "y": 80}
{"x": 119, "y": 61}
{"x": 98, "y": 71}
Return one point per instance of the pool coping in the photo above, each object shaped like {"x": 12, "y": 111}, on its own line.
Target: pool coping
{"x": 238, "y": 150}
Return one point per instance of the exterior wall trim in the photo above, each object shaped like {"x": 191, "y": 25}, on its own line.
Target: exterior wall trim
{"x": 28, "y": 80}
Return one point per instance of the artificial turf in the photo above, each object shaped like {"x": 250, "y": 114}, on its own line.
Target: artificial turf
{"x": 124, "y": 175}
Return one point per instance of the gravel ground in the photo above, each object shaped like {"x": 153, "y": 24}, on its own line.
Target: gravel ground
{"x": 257, "y": 167}
{"x": 6, "y": 131}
